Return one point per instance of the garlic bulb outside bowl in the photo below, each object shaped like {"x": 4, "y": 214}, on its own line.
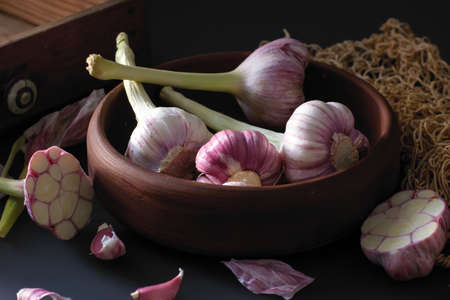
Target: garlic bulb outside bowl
{"x": 229, "y": 220}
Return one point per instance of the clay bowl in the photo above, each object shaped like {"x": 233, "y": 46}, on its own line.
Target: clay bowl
{"x": 226, "y": 220}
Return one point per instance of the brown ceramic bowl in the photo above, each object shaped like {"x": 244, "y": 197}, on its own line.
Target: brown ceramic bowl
{"x": 245, "y": 221}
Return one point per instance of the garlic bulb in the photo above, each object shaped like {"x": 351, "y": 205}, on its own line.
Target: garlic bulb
{"x": 320, "y": 137}
{"x": 268, "y": 84}
{"x": 406, "y": 233}
{"x": 166, "y": 139}
{"x": 240, "y": 158}
{"x": 272, "y": 82}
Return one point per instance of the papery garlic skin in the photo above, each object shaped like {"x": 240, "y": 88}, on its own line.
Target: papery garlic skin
{"x": 106, "y": 244}
{"x": 166, "y": 140}
{"x": 320, "y": 138}
{"x": 38, "y": 294}
{"x": 273, "y": 82}
{"x": 230, "y": 152}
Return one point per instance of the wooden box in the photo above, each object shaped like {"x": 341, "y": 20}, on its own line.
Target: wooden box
{"x": 43, "y": 48}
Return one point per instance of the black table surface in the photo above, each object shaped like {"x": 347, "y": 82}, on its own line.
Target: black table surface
{"x": 32, "y": 257}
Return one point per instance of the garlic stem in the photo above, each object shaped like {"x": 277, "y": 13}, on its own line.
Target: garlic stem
{"x": 16, "y": 147}
{"x": 105, "y": 69}
{"x": 214, "y": 119}
{"x": 12, "y": 187}
{"x": 14, "y": 207}
{"x": 137, "y": 96}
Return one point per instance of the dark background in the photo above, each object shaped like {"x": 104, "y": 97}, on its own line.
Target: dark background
{"x": 31, "y": 257}
{"x": 191, "y": 27}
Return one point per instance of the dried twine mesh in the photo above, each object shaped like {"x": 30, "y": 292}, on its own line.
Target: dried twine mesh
{"x": 409, "y": 72}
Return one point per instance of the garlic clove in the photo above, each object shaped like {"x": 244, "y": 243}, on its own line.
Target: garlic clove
{"x": 106, "y": 244}
{"x": 163, "y": 291}
{"x": 245, "y": 156}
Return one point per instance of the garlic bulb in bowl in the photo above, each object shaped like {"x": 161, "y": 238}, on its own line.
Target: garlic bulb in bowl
{"x": 166, "y": 139}
{"x": 240, "y": 158}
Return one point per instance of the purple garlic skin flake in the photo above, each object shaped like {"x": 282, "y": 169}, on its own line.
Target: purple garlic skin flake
{"x": 38, "y": 294}
{"x": 273, "y": 82}
{"x": 406, "y": 233}
{"x": 269, "y": 276}
{"x": 63, "y": 128}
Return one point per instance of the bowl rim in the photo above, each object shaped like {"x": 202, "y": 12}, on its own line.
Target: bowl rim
{"x": 98, "y": 125}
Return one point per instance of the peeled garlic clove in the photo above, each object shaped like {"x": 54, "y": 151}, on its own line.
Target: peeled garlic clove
{"x": 166, "y": 140}
{"x": 406, "y": 233}
{"x": 320, "y": 138}
{"x": 106, "y": 244}
{"x": 163, "y": 291}
{"x": 239, "y": 156}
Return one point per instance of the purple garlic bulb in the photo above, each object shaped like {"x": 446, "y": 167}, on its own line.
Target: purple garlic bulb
{"x": 320, "y": 138}
{"x": 272, "y": 82}
{"x": 406, "y": 233}
{"x": 166, "y": 140}
{"x": 240, "y": 158}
